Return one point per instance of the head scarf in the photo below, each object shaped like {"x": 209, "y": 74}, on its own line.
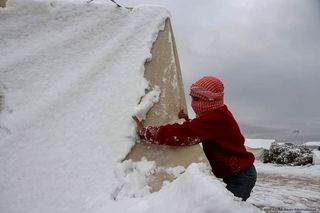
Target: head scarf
{"x": 210, "y": 91}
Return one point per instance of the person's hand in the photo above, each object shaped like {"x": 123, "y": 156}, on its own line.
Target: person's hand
{"x": 138, "y": 122}
{"x": 183, "y": 115}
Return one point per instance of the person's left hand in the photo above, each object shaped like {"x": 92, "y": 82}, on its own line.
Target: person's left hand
{"x": 183, "y": 115}
{"x": 138, "y": 122}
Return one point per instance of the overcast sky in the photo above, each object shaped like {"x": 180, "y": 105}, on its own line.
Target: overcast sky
{"x": 267, "y": 53}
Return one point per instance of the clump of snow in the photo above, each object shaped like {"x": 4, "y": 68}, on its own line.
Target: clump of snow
{"x": 147, "y": 103}
{"x": 176, "y": 171}
{"x": 133, "y": 178}
{"x": 281, "y": 187}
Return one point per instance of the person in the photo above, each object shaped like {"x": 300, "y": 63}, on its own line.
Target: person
{"x": 217, "y": 130}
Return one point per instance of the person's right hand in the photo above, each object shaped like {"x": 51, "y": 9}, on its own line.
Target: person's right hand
{"x": 138, "y": 122}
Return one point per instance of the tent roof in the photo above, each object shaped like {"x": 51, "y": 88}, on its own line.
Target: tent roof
{"x": 259, "y": 143}
{"x": 312, "y": 143}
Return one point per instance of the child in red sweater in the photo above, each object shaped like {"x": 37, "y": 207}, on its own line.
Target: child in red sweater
{"x": 217, "y": 130}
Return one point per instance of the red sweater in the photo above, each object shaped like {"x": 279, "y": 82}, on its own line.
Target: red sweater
{"x": 219, "y": 134}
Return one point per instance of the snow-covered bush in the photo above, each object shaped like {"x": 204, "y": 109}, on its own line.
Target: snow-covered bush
{"x": 294, "y": 155}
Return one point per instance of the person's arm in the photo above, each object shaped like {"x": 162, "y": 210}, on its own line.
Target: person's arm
{"x": 186, "y": 134}
{"x": 181, "y": 115}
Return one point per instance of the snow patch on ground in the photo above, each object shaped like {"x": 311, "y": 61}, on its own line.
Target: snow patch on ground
{"x": 286, "y": 188}
{"x": 286, "y": 171}
{"x": 176, "y": 171}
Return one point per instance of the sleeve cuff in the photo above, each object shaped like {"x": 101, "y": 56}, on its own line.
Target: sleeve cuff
{"x": 142, "y": 133}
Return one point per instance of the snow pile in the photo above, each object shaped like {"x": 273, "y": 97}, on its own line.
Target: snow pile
{"x": 134, "y": 178}
{"x": 147, "y": 103}
{"x": 71, "y": 75}
{"x": 259, "y": 143}
{"x": 195, "y": 191}
{"x": 176, "y": 171}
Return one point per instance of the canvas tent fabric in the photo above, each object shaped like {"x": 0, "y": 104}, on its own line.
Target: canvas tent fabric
{"x": 258, "y": 146}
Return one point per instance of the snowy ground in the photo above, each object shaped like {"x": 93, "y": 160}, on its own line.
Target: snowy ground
{"x": 280, "y": 188}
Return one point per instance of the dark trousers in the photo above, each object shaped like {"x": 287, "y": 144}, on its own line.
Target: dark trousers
{"x": 242, "y": 184}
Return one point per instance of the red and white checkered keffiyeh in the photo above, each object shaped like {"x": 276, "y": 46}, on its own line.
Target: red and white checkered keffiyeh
{"x": 209, "y": 90}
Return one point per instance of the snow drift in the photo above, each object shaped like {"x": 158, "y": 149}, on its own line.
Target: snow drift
{"x": 72, "y": 75}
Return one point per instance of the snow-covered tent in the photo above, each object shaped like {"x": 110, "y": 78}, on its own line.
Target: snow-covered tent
{"x": 258, "y": 146}
{"x": 73, "y": 73}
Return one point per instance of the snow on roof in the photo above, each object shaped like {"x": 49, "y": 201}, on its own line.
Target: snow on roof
{"x": 259, "y": 143}
{"x": 312, "y": 143}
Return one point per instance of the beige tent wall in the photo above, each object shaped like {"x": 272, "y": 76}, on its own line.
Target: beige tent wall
{"x": 3, "y": 3}
{"x": 164, "y": 71}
